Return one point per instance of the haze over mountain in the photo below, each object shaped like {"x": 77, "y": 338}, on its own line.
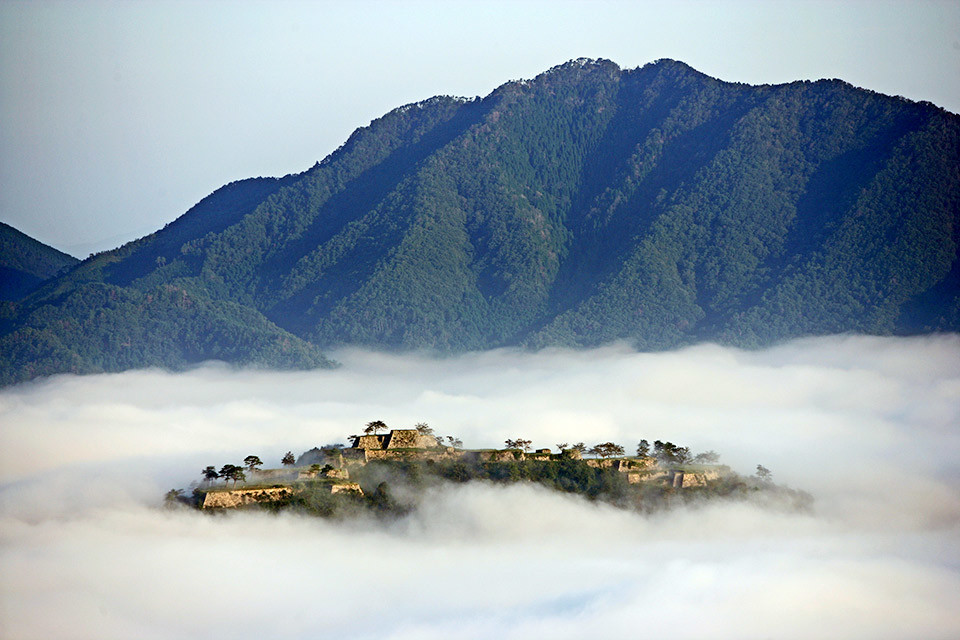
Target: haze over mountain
{"x": 654, "y": 205}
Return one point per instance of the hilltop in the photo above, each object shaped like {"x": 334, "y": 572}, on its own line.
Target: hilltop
{"x": 654, "y": 205}
{"x": 387, "y": 474}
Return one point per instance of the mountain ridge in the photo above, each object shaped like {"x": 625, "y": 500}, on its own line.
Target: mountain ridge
{"x": 26, "y": 262}
{"x": 589, "y": 204}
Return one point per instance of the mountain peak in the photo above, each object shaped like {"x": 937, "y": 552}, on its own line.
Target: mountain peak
{"x": 588, "y": 205}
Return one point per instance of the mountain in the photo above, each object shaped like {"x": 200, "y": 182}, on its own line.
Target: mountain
{"x": 655, "y": 205}
{"x": 25, "y": 263}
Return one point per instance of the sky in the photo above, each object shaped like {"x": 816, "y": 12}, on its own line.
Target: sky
{"x": 117, "y": 117}
{"x": 866, "y": 425}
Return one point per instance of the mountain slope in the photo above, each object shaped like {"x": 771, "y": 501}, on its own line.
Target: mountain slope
{"x": 655, "y": 205}
{"x": 25, "y": 263}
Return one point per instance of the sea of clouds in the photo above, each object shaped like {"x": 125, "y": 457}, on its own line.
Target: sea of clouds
{"x": 869, "y": 426}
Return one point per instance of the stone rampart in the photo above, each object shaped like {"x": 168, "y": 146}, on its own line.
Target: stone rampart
{"x": 493, "y": 455}
{"x": 409, "y": 439}
{"x": 396, "y": 439}
{"x": 412, "y": 454}
{"x": 623, "y": 465}
{"x": 346, "y": 487}
{"x": 231, "y": 498}
{"x": 370, "y": 442}
{"x": 699, "y": 479}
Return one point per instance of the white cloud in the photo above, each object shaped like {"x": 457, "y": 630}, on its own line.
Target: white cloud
{"x": 868, "y": 425}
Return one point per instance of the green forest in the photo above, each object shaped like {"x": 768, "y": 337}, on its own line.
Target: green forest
{"x": 656, "y": 206}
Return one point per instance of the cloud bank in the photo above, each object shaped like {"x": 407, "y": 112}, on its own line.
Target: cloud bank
{"x": 869, "y": 426}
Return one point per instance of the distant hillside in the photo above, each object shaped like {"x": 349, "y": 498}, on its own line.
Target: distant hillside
{"x": 654, "y": 205}
{"x": 25, "y": 263}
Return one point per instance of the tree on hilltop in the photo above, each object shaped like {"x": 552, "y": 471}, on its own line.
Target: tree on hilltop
{"x": 669, "y": 453}
{"x": 643, "y": 449}
{"x": 375, "y": 426}
{"x": 424, "y": 429}
{"x": 252, "y": 462}
{"x": 288, "y": 460}
{"x": 210, "y": 474}
{"x": 607, "y": 450}
{"x": 764, "y": 475}
{"x": 519, "y": 443}
{"x": 231, "y": 472}
{"x": 456, "y": 443}
{"x": 707, "y": 457}
{"x": 562, "y": 447}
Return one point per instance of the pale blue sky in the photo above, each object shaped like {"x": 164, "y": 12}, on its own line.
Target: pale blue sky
{"x": 116, "y": 117}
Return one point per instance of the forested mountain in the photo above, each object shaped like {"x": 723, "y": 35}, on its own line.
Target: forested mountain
{"x": 654, "y": 205}
{"x": 25, "y": 263}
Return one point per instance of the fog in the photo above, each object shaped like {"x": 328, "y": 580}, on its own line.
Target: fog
{"x": 869, "y": 426}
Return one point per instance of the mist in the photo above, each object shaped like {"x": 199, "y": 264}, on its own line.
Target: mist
{"x": 869, "y": 426}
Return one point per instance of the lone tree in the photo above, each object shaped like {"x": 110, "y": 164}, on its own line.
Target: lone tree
{"x": 456, "y": 443}
{"x": 210, "y": 474}
{"x": 374, "y": 427}
{"x": 288, "y": 460}
{"x": 252, "y": 462}
{"x": 424, "y": 429}
{"x": 562, "y": 446}
{"x": 643, "y": 449}
{"x": 764, "y": 475}
{"x": 607, "y": 450}
{"x": 519, "y": 443}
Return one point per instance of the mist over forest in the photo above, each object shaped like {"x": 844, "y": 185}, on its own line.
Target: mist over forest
{"x": 866, "y": 425}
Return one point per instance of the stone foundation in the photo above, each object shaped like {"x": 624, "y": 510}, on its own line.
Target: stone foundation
{"x": 239, "y": 497}
{"x": 346, "y": 487}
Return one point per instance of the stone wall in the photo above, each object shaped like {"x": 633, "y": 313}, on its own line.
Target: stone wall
{"x": 699, "y": 479}
{"x": 370, "y": 442}
{"x": 346, "y": 487}
{"x": 409, "y": 439}
{"x": 623, "y": 465}
{"x": 396, "y": 439}
{"x": 448, "y": 453}
{"x": 238, "y": 497}
{"x": 492, "y": 455}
